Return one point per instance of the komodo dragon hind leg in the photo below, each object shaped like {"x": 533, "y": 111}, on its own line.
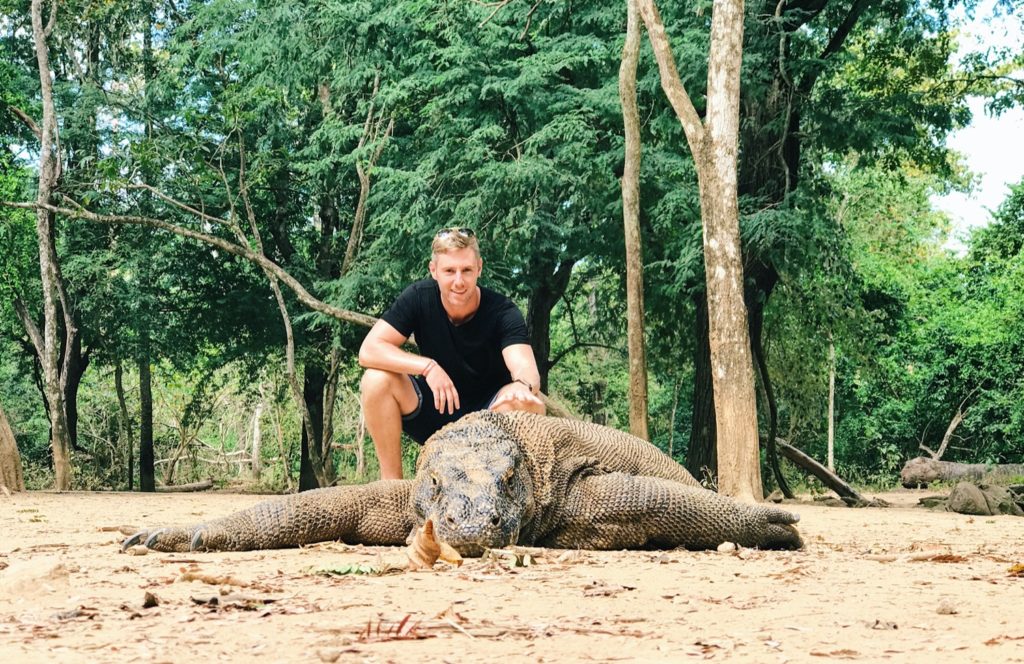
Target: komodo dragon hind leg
{"x": 619, "y": 511}
{"x": 376, "y": 513}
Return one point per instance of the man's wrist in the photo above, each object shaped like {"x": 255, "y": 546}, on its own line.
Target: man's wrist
{"x": 528, "y": 384}
{"x": 430, "y": 365}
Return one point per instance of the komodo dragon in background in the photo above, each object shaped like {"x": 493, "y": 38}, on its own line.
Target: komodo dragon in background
{"x": 492, "y": 480}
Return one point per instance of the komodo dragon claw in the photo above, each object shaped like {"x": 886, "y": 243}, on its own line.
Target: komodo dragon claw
{"x": 134, "y": 540}
{"x": 166, "y": 539}
{"x": 153, "y": 537}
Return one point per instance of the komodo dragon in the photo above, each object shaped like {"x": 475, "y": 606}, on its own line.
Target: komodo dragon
{"x": 920, "y": 471}
{"x": 492, "y": 480}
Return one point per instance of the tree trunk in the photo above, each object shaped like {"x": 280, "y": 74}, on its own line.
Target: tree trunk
{"x": 551, "y": 279}
{"x": 124, "y": 425}
{"x": 257, "y": 442}
{"x": 75, "y": 365}
{"x": 11, "y": 476}
{"x": 314, "y": 381}
{"x": 732, "y": 367}
{"x": 831, "y": 405}
{"x": 631, "y": 225}
{"x": 714, "y": 148}
{"x": 849, "y": 495}
{"x": 702, "y": 453}
{"x": 755, "y": 299}
{"x": 49, "y": 171}
{"x": 147, "y": 465}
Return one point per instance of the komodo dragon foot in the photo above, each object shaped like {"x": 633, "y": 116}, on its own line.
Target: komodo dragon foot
{"x": 167, "y": 539}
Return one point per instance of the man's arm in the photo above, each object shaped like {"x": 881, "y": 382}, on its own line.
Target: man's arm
{"x": 382, "y": 349}
{"x": 522, "y": 365}
{"x": 521, "y": 393}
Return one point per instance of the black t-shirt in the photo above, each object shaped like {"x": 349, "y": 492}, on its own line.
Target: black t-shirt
{"x": 471, "y": 352}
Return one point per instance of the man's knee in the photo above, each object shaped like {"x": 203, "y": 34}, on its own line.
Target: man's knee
{"x": 377, "y": 383}
{"x": 378, "y": 387}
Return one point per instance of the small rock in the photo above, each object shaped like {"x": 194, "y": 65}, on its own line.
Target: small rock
{"x": 726, "y": 547}
{"x": 947, "y": 607}
{"x": 150, "y": 600}
{"x": 775, "y": 496}
{"x": 137, "y": 550}
{"x": 328, "y": 654}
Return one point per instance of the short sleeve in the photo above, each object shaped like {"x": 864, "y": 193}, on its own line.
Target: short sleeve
{"x": 511, "y": 325}
{"x": 404, "y": 314}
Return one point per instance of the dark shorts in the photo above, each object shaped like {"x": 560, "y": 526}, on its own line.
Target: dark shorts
{"x": 421, "y": 423}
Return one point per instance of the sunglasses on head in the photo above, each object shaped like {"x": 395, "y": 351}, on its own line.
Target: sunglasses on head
{"x": 464, "y": 232}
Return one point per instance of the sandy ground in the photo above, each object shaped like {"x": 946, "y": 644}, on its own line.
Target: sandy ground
{"x": 901, "y": 584}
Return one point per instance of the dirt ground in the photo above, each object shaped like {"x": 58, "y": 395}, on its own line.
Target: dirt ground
{"x": 901, "y": 584}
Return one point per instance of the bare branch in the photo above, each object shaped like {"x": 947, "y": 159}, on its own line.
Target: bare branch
{"x": 498, "y": 6}
{"x": 671, "y": 83}
{"x": 53, "y": 19}
{"x": 25, "y": 119}
{"x": 171, "y": 201}
{"x": 961, "y": 412}
{"x": 31, "y": 329}
{"x": 243, "y": 252}
{"x": 529, "y": 19}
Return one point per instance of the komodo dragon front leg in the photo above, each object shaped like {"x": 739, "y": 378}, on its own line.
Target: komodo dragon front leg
{"x": 620, "y": 511}
{"x": 377, "y": 513}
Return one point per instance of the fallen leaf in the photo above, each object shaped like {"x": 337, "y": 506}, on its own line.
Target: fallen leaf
{"x": 211, "y": 579}
{"x": 1017, "y": 570}
{"x": 602, "y": 589}
{"x": 845, "y": 653}
{"x": 1000, "y": 639}
{"x": 938, "y": 558}
{"x": 426, "y": 549}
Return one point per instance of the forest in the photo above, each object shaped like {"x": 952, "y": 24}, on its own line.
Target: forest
{"x": 232, "y": 191}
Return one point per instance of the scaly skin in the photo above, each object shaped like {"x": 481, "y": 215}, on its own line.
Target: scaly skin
{"x": 491, "y": 480}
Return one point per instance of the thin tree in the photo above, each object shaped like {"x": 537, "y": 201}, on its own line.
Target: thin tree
{"x": 45, "y": 341}
{"x": 713, "y": 143}
{"x": 631, "y": 224}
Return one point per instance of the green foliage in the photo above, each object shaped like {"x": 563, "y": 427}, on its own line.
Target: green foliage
{"x": 507, "y": 121}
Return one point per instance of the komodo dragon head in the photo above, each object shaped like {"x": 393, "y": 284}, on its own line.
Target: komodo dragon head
{"x": 920, "y": 472}
{"x": 474, "y": 484}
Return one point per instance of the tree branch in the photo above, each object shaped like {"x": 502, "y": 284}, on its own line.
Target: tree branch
{"x": 835, "y": 43}
{"x": 671, "y": 83}
{"x": 25, "y": 119}
{"x": 243, "y": 252}
{"x": 31, "y": 329}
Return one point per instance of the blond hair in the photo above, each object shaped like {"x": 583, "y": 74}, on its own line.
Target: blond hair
{"x": 454, "y": 239}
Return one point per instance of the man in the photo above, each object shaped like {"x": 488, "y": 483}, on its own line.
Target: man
{"x": 475, "y": 353}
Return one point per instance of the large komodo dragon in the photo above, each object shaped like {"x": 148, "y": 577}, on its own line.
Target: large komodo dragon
{"x": 492, "y": 480}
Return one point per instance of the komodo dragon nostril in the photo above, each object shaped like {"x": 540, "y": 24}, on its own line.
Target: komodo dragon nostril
{"x": 495, "y": 520}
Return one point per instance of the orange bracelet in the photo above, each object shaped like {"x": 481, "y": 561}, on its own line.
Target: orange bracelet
{"x": 430, "y": 365}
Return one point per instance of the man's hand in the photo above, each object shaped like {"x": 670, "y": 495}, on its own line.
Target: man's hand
{"x": 516, "y": 396}
{"x": 446, "y": 397}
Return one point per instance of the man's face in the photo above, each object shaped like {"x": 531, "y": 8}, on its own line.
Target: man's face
{"x": 456, "y": 273}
